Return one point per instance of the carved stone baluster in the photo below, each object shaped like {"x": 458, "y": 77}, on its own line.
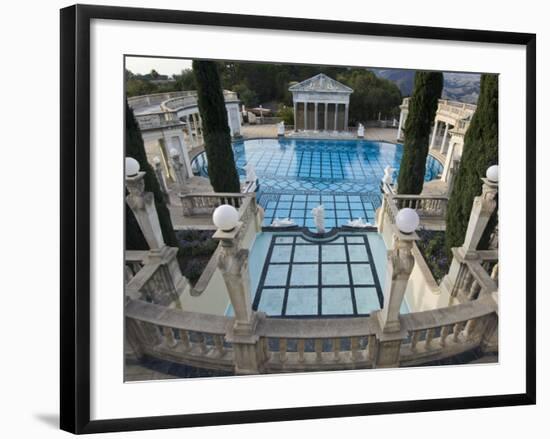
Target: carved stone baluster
{"x": 371, "y": 347}
{"x": 475, "y": 288}
{"x": 218, "y": 343}
{"x": 457, "y": 329}
{"x": 265, "y": 347}
{"x": 445, "y": 330}
{"x": 494, "y": 272}
{"x": 414, "y": 339}
{"x": 466, "y": 281}
{"x": 202, "y": 343}
{"x": 470, "y": 329}
{"x": 355, "y": 352}
{"x": 336, "y": 343}
{"x": 282, "y": 350}
{"x": 319, "y": 349}
{"x": 169, "y": 339}
{"x": 429, "y": 337}
{"x": 184, "y": 339}
{"x": 301, "y": 350}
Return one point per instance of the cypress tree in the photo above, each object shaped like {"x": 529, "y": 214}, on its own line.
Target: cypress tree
{"x": 422, "y": 109}
{"x": 222, "y": 170}
{"x": 136, "y": 149}
{"x": 480, "y": 151}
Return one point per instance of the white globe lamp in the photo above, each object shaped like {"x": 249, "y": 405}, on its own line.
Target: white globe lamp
{"x": 131, "y": 167}
{"x": 492, "y": 174}
{"x": 407, "y": 220}
{"x": 225, "y": 217}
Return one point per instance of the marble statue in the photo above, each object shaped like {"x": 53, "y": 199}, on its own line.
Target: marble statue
{"x": 360, "y": 130}
{"x": 281, "y": 128}
{"x": 250, "y": 173}
{"x": 287, "y": 222}
{"x": 319, "y": 218}
{"x": 359, "y": 223}
{"x": 388, "y": 175}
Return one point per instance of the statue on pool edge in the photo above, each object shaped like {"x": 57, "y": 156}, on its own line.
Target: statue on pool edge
{"x": 319, "y": 218}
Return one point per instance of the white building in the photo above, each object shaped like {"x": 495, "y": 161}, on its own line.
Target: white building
{"x": 320, "y": 104}
{"x": 172, "y": 121}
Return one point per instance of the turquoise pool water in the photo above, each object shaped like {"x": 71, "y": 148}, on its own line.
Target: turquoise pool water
{"x": 294, "y": 274}
{"x": 297, "y": 175}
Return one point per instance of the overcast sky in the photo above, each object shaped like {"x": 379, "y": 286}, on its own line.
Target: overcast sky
{"x": 164, "y": 66}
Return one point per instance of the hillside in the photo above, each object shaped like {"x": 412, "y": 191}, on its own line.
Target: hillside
{"x": 462, "y": 87}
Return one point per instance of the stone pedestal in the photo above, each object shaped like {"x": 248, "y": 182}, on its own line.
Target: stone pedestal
{"x": 160, "y": 178}
{"x": 233, "y": 264}
{"x": 143, "y": 206}
{"x": 399, "y": 267}
{"x": 482, "y": 209}
{"x": 179, "y": 169}
{"x": 248, "y": 355}
{"x": 388, "y": 345}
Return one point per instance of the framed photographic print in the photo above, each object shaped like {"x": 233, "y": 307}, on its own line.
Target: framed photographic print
{"x": 284, "y": 218}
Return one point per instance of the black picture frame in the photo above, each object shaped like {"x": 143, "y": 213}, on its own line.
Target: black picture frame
{"x": 75, "y": 217}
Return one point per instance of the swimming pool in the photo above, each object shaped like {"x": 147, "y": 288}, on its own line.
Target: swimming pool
{"x": 296, "y": 175}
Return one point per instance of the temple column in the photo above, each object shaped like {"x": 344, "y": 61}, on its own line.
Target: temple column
{"x": 326, "y": 116}
{"x": 189, "y": 130}
{"x": 184, "y": 154}
{"x": 346, "y": 109}
{"x": 335, "y": 117}
{"x": 157, "y": 165}
{"x": 305, "y": 115}
{"x": 444, "y": 141}
{"x": 399, "y": 128}
{"x": 316, "y": 116}
{"x": 295, "y": 116}
{"x": 434, "y": 134}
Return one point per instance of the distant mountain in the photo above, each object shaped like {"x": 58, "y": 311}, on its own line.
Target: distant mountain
{"x": 463, "y": 87}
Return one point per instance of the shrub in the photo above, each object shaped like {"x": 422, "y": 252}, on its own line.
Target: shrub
{"x": 286, "y": 114}
{"x": 432, "y": 247}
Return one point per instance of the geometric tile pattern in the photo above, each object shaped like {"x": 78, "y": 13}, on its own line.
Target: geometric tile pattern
{"x": 296, "y": 175}
{"x": 339, "y": 209}
{"x": 308, "y": 277}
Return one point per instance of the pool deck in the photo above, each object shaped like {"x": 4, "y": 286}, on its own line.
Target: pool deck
{"x": 375, "y": 134}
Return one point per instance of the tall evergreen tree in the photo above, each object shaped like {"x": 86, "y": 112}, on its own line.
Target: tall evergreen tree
{"x": 222, "y": 170}
{"x": 422, "y": 108}
{"x": 136, "y": 149}
{"x": 480, "y": 151}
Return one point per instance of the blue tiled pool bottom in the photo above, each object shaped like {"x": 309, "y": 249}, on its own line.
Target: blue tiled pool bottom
{"x": 307, "y": 277}
{"x": 339, "y": 209}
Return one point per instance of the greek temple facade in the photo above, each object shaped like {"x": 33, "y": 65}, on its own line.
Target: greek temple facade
{"x": 320, "y": 104}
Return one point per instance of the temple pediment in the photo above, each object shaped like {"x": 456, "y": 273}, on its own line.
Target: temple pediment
{"x": 321, "y": 83}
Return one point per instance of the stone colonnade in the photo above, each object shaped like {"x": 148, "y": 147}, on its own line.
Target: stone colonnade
{"x": 321, "y": 116}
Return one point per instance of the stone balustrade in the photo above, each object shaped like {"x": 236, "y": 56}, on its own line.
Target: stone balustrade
{"x": 174, "y": 335}
{"x": 156, "y": 120}
{"x": 134, "y": 261}
{"x": 152, "y": 283}
{"x": 443, "y": 332}
{"x": 190, "y": 100}
{"x": 478, "y": 278}
{"x": 205, "y": 203}
{"x": 292, "y": 345}
{"x": 427, "y": 206}
{"x": 155, "y": 99}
